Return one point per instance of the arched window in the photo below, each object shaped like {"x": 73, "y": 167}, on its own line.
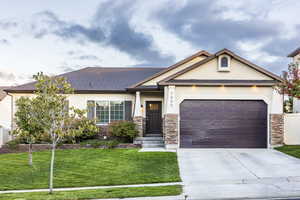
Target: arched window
{"x": 224, "y": 62}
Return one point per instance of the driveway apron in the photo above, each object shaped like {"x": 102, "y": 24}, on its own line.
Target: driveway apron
{"x": 238, "y": 173}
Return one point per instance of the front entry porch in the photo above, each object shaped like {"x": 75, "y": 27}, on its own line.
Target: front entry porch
{"x": 156, "y": 123}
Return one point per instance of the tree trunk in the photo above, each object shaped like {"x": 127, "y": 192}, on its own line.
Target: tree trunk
{"x": 52, "y": 168}
{"x": 30, "y": 154}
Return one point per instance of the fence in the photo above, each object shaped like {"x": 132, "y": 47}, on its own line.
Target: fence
{"x": 292, "y": 129}
{"x": 4, "y": 135}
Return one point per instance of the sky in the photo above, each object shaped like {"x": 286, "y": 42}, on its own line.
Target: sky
{"x": 55, "y": 36}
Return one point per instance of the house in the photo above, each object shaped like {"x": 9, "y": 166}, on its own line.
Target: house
{"x": 218, "y": 100}
{"x": 295, "y": 55}
{"x": 5, "y": 107}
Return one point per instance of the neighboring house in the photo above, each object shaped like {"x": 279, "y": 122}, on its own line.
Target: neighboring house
{"x": 5, "y": 108}
{"x": 204, "y": 101}
{"x": 295, "y": 55}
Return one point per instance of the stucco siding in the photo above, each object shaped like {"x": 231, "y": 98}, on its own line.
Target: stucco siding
{"x": 5, "y": 112}
{"x": 291, "y": 130}
{"x": 238, "y": 71}
{"x": 296, "y": 59}
{"x": 175, "y": 70}
{"x": 80, "y": 100}
{"x": 238, "y": 93}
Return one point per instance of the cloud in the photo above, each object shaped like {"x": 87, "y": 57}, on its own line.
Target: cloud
{"x": 4, "y": 41}
{"x": 203, "y": 24}
{"x": 7, "y": 24}
{"x": 88, "y": 57}
{"x": 7, "y": 76}
{"x": 210, "y": 25}
{"x": 110, "y": 26}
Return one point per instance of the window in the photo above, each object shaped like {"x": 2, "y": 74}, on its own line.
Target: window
{"x": 224, "y": 63}
{"x": 109, "y": 111}
{"x": 102, "y": 112}
{"x": 116, "y": 110}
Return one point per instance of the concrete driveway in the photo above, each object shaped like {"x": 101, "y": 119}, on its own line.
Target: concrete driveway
{"x": 238, "y": 173}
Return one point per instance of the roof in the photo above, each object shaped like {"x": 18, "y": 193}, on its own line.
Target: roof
{"x": 294, "y": 53}
{"x": 98, "y": 79}
{"x": 223, "y": 51}
{"x": 199, "y": 53}
{"x": 2, "y": 92}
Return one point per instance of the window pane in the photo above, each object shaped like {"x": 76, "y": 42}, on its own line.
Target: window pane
{"x": 116, "y": 110}
{"x": 102, "y": 112}
{"x": 224, "y": 62}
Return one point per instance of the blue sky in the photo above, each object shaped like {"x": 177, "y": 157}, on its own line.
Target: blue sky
{"x": 56, "y": 36}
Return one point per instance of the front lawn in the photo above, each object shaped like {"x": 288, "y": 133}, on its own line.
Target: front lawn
{"x": 99, "y": 193}
{"x": 88, "y": 167}
{"x": 293, "y": 150}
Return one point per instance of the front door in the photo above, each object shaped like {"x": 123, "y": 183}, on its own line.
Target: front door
{"x": 153, "y": 117}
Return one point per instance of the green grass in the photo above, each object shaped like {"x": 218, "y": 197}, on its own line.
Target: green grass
{"x": 88, "y": 167}
{"x": 99, "y": 193}
{"x": 293, "y": 150}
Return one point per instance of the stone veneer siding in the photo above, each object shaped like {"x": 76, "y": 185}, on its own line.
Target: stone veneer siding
{"x": 277, "y": 129}
{"x": 139, "y": 121}
{"x": 170, "y": 129}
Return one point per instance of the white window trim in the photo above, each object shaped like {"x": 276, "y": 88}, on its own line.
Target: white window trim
{"x": 224, "y": 69}
{"x": 109, "y": 120}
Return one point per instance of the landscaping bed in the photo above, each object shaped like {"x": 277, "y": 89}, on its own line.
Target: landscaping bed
{"x": 99, "y": 193}
{"x": 88, "y": 167}
{"x": 292, "y": 150}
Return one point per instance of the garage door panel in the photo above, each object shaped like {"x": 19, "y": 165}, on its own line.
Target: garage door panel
{"x": 215, "y": 123}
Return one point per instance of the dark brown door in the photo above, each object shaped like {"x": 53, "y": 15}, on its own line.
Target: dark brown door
{"x": 223, "y": 124}
{"x": 153, "y": 117}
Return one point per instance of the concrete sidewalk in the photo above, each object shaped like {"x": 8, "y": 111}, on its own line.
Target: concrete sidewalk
{"x": 91, "y": 188}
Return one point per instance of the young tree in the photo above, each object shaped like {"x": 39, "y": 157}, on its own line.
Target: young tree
{"x": 291, "y": 82}
{"x": 51, "y": 97}
{"x": 27, "y": 121}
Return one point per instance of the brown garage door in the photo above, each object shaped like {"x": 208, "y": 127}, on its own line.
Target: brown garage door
{"x": 223, "y": 124}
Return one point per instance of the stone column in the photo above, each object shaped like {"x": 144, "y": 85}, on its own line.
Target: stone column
{"x": 137, "y": 117}
{"x": 277, "y": 129}
{"x": 170, "y": 122}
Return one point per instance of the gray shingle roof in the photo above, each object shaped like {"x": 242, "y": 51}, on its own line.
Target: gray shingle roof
{"x": 2, "y": 93}
{"x": 294, "y": 53}
{"x": 97, "y": 79}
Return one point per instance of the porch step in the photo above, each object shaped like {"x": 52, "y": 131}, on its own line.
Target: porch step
{"x": 153, "y": 145}
{"x": 150, "y": 142}
{"x": 153, "y": 135}
{"x": 149, "y": 139}
{"x": 153, "y": 142}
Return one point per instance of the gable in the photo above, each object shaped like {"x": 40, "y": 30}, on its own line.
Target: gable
{"x": 155, "y": 80}
{"x": 209, "y": 71}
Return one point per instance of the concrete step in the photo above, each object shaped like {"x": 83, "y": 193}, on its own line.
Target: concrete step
{"x": 152, "y": 145}
{"x": 152, "y": 142}
{"x": 153, "y": 135}
{"x": 149, "y": 139}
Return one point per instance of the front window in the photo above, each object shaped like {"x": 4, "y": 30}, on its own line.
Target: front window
{"x": 109, "y": 111}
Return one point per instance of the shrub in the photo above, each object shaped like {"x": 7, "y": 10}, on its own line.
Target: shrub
{"x": 89, "y": 130}
{"x": 13, "y": 144}
{"x": 125, "y": 130}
